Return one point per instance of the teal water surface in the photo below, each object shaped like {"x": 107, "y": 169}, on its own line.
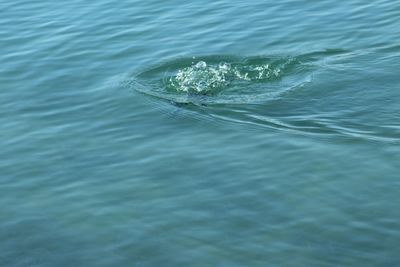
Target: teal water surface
{"x": 200, "y": 133}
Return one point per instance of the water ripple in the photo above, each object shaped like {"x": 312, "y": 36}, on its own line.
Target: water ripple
{"x": 223, "y": 79}
{"x": 278, "y": 92}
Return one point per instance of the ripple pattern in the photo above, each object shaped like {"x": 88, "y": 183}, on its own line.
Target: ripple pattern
{"x": 224, "y": 79}
{"x": 199, "y": 133}
{"x": 247, "y": 90}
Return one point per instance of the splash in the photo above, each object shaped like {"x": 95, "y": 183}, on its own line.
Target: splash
{"x": 223, "y": 80}
{"x": 206, "y": 78}
{"x": 200, "y": 78}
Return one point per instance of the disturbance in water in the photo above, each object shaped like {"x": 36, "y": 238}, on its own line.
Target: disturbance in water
{"x": 223, "y": 80}
{"x": 247, "y": 90}
{"x": 202, "y": 78}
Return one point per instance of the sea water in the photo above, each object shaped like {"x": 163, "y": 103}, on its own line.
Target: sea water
{"x": 199, "y": 133}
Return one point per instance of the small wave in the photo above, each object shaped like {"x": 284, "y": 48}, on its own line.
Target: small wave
{"x": 223, "y": 80}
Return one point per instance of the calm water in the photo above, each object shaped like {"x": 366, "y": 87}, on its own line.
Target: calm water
{"x": 199, "y": 133}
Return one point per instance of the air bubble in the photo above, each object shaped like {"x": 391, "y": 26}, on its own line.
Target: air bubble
{"x": 201, "y": 65}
